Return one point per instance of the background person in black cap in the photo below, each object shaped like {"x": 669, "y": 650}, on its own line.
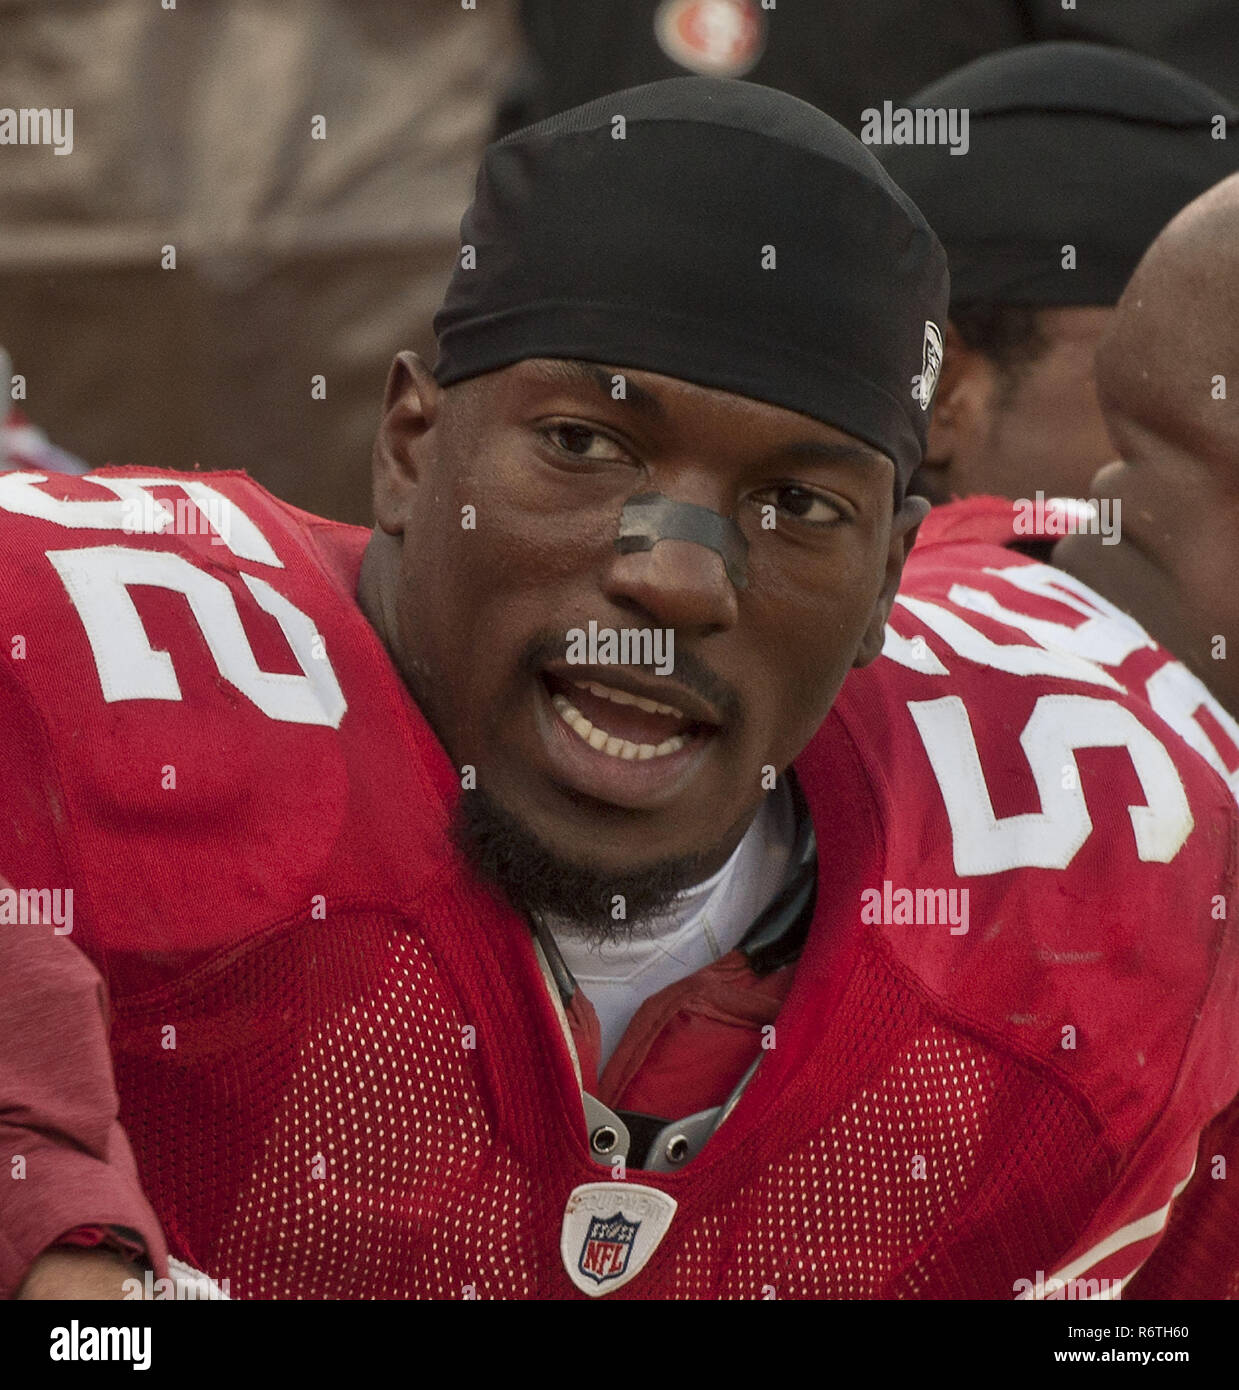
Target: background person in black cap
{"x": 842, "y": 58}
{"x": 1078, "y": 156}
{"x": 673, "y": 397}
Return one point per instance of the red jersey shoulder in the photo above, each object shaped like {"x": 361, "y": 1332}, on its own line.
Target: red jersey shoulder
{"x": 92, "y": 564}
{"x": 220, "y": 716}
{"x": 987, "y": 519}
{"x": 1002, "y": 521}
{"x": 980, "y": 580}
{"x": 1055, "y": 855}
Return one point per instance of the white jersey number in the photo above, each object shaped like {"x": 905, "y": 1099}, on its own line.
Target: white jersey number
{"x": 97, "y": 580}
{"x": 1050, "y": 838}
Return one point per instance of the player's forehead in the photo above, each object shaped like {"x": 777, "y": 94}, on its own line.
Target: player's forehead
{"x": 672, "y": 401}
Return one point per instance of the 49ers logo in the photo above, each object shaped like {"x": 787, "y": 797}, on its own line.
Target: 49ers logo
{"x": 719, "y": 38}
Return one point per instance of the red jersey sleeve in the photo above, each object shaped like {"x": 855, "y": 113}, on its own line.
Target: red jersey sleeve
{"x": 68, "y": 1161}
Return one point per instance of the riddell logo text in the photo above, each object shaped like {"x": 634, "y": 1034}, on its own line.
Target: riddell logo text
{"x": 889, "y": 906}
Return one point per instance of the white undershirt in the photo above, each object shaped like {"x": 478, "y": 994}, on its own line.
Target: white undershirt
{"x": 704, "y": 923}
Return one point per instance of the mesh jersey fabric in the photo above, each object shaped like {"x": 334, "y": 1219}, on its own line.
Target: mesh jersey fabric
{"x": 338, "y": 1066}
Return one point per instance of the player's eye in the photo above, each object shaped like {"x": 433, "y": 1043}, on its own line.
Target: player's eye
{"x": 582, "y": 442}
{"x": 806, "y": 505}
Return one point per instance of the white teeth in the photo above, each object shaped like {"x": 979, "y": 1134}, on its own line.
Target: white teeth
{"x": 623, "y": 697}
{"x": 608, "y": 743}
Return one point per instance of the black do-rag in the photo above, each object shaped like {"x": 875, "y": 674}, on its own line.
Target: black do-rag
{"x": 711, "y": 230}
{"x": 1069, "y": 144}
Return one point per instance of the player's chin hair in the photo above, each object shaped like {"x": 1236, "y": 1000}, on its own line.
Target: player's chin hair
{"x": 504, "y": 854}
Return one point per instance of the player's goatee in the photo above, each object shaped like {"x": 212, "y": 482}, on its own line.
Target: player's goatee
{"x": 599, "y": 905}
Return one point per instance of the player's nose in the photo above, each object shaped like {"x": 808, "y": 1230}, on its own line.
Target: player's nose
{"x": 680, "y": 584}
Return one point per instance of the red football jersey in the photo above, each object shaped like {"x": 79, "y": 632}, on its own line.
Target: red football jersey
{"x": 338, "y": 1064}
{"x": 965, "y": 552}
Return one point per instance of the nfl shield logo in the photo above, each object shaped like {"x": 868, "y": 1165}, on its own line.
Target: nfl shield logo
{"x": 610, "y": 1231}
{"x": 608, "y": 1244}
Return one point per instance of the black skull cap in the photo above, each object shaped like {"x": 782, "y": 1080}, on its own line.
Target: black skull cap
{"x": 711, "y": 230}
{"x": 1069, "y": 145}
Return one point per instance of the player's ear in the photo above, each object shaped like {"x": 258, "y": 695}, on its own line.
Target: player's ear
{"x": 961, "y": 403}
{"x": 904, "y": 527}
{"x": 411, "y": 405}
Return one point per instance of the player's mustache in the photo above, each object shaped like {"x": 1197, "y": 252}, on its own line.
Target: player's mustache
{"x": 690, "y": 671}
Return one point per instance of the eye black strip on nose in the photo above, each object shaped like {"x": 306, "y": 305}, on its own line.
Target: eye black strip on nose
{"x": 651, "y": 517}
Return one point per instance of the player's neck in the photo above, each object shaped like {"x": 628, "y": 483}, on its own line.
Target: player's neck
{"x": 370, "y": 586}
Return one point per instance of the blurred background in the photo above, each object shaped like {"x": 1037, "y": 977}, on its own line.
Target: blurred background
{"x": 298, "y": 257}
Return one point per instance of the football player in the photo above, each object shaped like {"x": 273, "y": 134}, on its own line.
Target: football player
{"x": 1157, "y": 588}
{"x": 520, "y": 900}
{"x": 1077, "y": 156}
